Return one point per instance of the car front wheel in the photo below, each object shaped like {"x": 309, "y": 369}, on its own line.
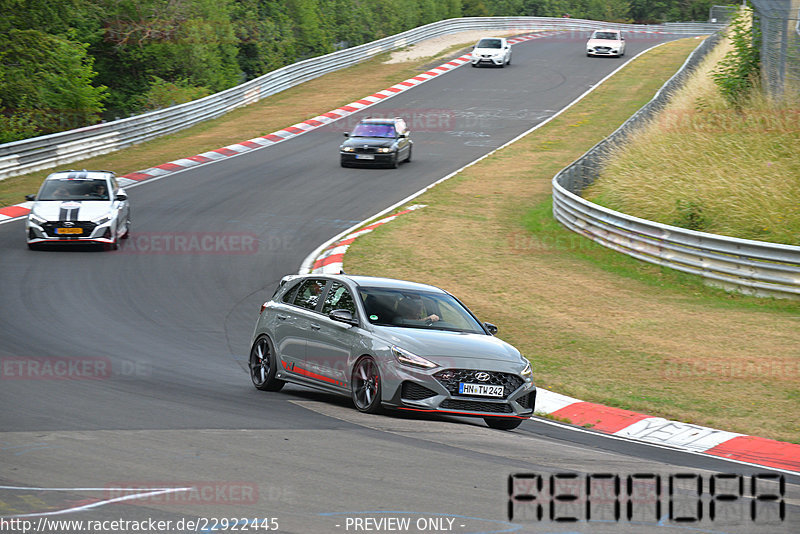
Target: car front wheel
{"x": 366, "y": 386}
{"x": 263, "y": 366}
{"x": 503, "y": 423}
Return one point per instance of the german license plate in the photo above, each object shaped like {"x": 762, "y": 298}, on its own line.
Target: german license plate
{"x": 365, "y": 156}
{"x": 484, "y": 390}
{"x": 72, "y": 231}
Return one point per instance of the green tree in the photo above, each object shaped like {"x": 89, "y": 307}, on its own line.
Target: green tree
{"x": 192, "y": 41}
{"x": 47, "y": 82}
{"x": 646, "y": 11}
{"x": 56, "y": 17}
{"x": 474, "y": 8}
{"x": 310, "y": 33}
{"x": 264, "y": 36}
{"x": 737, "y": 74}
{"x": 163, "y": 94}
{"x": 609, "y": 10}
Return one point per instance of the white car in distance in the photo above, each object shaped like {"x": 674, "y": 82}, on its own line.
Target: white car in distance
{"x": 606, "y": 43}
{"x": 491, "y": 51}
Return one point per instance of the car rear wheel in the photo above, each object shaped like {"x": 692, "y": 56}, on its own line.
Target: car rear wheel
{"x": 503, "y": 423}
{"x": 366, "y": 386}
{"x": 263, "y": 366}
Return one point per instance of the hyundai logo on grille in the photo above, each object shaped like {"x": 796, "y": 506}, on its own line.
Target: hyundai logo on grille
{"x": 69, "y": 223}
{"x": 483, "y": 377}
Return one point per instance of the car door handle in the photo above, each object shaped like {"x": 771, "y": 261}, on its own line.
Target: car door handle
{"x": 315, "y": 326}
{"x": 282, "y": 317}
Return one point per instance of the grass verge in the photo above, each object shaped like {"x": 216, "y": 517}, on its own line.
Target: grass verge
{"x": 596, "y": 325}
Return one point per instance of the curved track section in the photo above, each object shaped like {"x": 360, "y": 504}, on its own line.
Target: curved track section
{"x": 127, "y": 369}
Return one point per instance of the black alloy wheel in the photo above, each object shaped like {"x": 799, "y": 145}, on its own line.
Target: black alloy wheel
{"x": 263, "y": 366}
{"x": 366, "y": 386}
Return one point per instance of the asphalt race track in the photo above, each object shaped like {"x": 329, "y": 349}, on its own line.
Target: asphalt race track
{"x": 157, "y": 339}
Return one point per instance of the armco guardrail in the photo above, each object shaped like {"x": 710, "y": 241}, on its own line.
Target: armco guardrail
{"x": 48, "y": 151}
{"x": 755, "y": 267}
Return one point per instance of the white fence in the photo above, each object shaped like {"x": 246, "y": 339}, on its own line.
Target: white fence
{"x": 755, "y": 267}
{"x": 48, "y": 151}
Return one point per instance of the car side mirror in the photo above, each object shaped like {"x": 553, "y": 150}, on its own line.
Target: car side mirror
{"x": 121, "y": 196}
{"x": 343, "y": 316}
{"x": 30, "y": 197}
{"x": 491, "y": 328}
{"x": 347, "y": 134}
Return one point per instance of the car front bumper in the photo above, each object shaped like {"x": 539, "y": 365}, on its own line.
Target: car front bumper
{"x": 420, "y": 391}
{"x": 48, "y": 232}
{"x": 377, "y": 158}
{"x": 603, "y": 52}
{"x": 494, "y": 60}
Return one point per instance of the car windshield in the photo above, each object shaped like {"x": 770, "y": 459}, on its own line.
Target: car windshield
{"x": 611, "y": 36}
{"x": 488, "y": 43}
{"x": 74, "y": 190}
{"x": 373, "y": 130}
{"x": 409, "y": 308}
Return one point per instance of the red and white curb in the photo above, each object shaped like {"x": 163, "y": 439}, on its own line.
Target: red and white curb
{"x": 21, "y": 210}
{"x": 695, "y": 438}
{"x": 607, "y": 420}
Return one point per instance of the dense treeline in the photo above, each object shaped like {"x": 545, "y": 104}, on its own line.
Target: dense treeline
{"x": 70, "y": 63}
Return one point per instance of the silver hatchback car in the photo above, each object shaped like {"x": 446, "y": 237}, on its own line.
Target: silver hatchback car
{"x": 78, "y": 207}
{"x": 389, "y": 343}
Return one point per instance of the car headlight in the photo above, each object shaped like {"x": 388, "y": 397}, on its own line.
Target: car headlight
{"x": 409, "y": 358}
{"x": 385, "y": 149}
{"x": 36, "y": 219}
{"x": 527, "y": 373}
{"x": 102, "y": 220}
{"x": 347, "y": 149}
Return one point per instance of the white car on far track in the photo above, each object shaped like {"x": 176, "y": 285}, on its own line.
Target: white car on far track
{"x": 606, "y": 43}
{"x": 491, "y": 51}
